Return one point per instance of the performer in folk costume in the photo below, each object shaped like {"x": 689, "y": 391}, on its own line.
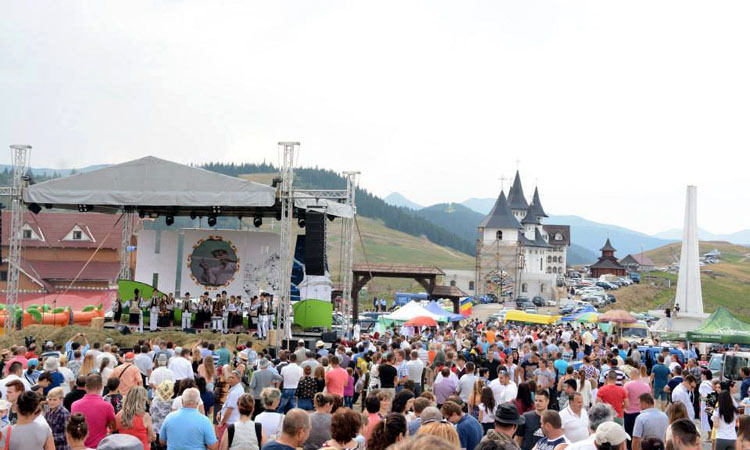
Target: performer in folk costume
{"x": 231, "y": 314}
{"x": 169, "y": 306}
{"x": 153, "y": 310}
{"x": 163, "y": 313}
{"x": 187, "y": 311}
{"x": 117, "y": 309}
{"x": 206, "y": 309}
{"x": 263, "y": 310}
{"x": 252, "y": 314}
{"x": 134, "y": 315}
{"x": 217, "y": 318}
{"x": 143, "y": 305}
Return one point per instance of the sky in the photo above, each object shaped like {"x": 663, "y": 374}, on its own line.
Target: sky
{"x": 610, "y": 108}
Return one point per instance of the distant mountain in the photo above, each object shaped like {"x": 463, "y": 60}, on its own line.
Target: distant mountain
{"x": 396, "y": 199}
{"x": 579, "y": 255}
{"x": 740, "y": 237}
{"x": 454, "y": 217}
{"x": 47, "y": 172}
{"x": 481, "y": 205}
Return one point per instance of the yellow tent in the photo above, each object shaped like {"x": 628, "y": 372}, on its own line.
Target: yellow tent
{"x": 520, "y": 316}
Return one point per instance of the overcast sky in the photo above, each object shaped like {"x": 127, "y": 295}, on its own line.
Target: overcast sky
{"x": 611, "y": 107}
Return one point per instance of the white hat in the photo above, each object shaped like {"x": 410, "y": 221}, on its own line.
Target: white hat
{"x": 51, "y": 364}
{"x": 611, "y": 433}
{"x": 320, "y": 344}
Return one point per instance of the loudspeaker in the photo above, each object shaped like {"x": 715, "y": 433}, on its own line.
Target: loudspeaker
{"x": 123, "y": 329}
{"x": 190, "y": 330}
{"x": 315, "y": 243}
{"x": 329, "y": 337}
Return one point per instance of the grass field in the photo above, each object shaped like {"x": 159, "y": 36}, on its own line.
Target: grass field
{"x": 727, "y": 284}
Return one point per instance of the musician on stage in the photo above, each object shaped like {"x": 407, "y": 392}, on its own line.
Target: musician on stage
{"x": 153, "y": 309}
{"x": 117, "y": 309}
{"x": 252, "y": 314}
{"x": 164, "y": 315}
{"x": 231, "y": 322}
{"x": 143, "y": 305}
{"x": 217, "y": 318}
{"x": 187, "y": 311}
{"x": 134, "y": 314}
{"x": 169, "y": 306}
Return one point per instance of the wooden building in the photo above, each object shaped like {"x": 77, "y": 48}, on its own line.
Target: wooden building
{"x": 607, "y": 263}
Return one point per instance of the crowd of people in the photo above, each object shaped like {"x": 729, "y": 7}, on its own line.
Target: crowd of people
{"x": 477, "y": 386}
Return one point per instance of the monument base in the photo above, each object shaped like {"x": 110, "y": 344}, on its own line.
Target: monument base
{"x": 682, "y": 322}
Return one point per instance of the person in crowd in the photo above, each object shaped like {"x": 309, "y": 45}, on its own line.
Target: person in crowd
{"x": 133, "y": 418}
{"x": 372, "y": 406}
{"x": 320, "y": 421}
{"x": 306, "y": 389}
{"x": 262, "y": 379}
{"x": 524, "y": 400}
{"x": 390, "y": 430}
{"x": 507, "y": 421}
{"x": 743, "y": 433}
{"x": 100, "y": 415}
{"x": 57, "y": 417}
{"x": 725, "y": 419}
{"x": 77, "y": 393}
{"x": 614, "y": 395}
{"x": 28, "y": 433}
{"x": 469, "y": 430}
{"x": 418, "y": 406}
{"x": 161, "y": 405}
{"x": 443, "y": 430}
{"x": 651, "y": 422}
{"x": 575, "y": 419}
{"x": 684, "y": 435}
{"x": 229, "y": 411}
{"x": 112, "y": 394}
{"x": 682, "y": 393}
{"x": 487, "y": 410}
{"x": 244, "y": 434}
{"x": 76, "y": 432}
{"x": 128, "y": 374}
{"x": 675, "y": 412}
{"x": 187, "y": 428}
{"x": 270, "y": 419}
{"x": 15, "y": 373}
{"x": 554, "y": 438}
{"x": 610, "y": 436}
{"x": 598, "y": 414}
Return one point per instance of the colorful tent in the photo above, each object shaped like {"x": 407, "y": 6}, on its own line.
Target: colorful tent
{"x": 573, "y": 317}
{"x": 411, "y": 310}
{"x": 721, "y": 327}
{"x": 421, "y": 321}
{"x": 433, "y": 307}
{"x": 520, "y": 316}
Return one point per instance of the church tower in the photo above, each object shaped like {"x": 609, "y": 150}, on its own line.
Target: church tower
{"x": 516, "y": 199}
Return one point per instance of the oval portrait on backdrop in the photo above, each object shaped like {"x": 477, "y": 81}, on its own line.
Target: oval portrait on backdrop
{"x": 213, "y": 262}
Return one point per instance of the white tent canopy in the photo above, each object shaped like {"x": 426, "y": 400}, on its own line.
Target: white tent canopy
{"x": 412, "y": 310}
{"x": 151, "y": 181}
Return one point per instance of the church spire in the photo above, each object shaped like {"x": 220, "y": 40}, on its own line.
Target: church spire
{"x": 537, "y": 204}
{"x": 500, "y": 216}
{"x": 516, "y": 199}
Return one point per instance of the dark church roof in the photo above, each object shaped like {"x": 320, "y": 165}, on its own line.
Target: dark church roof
{"x": 553, "y": 230}
{"x": 531, "y": 216}
{"x": 606, "y": 263}
{"x": 516, "y": 199}
{"x": 607, "y": 247}
{"x": 537, "y": 204}
{"x": 500, "y": 216}
{"x": 539, "y": 240}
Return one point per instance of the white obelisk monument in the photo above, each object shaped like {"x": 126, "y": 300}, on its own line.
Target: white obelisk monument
{"x": 689, "y": 297}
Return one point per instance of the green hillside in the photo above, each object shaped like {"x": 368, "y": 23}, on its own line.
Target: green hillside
{"x": 724, "y": 284}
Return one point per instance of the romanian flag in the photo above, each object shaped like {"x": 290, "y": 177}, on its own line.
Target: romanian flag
{"x": 465, "y": 306}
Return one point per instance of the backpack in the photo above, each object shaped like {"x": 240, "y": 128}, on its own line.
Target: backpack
{"x": 258, "y": 433}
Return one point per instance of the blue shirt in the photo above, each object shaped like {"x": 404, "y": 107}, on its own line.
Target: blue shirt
{"x": 187, "y": 429}
{"x": 469, "y": 432}
{"x": 744, "y": 387}
{"x": 273, "y": 445}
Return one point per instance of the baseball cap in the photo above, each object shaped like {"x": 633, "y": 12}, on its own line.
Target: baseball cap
{"x": 129, "y": 355}
{"x": 33, "y": 362}
{"x": 611, "y": 433}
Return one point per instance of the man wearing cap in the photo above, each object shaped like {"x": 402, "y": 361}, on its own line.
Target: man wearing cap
{"x": 52, "y": 365}
{"x": 507, "y": 421}
{"x": 161, "y": 373}
{"x": 128, "y": 374}
{"x": 613, "y": 434}
{"x": 262, "y": 379}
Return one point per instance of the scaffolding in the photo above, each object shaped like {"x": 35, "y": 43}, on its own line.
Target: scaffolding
{"x": 497, "y": 259}
{"x": 348, "y": 249}
{"x": 127, "y": 234}
{"x": 286, "y": 197}
{"x": 20, "y": 160}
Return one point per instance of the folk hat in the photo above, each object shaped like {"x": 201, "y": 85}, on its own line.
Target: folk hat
{"x": 507, "y": 414}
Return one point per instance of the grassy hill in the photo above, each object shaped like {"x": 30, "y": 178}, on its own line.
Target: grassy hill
{"x": 727, "y": 284}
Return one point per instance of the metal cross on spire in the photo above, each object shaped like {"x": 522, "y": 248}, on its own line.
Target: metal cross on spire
{"x": 502, "y": 182}
{"x": 518, "y": 164}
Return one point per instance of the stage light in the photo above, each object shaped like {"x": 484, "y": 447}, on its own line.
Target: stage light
{"x": 257, "y": 221}
{"x": 141, "y": 214}
{"x": 301, "y": 222}
{"x": 48, "y": 205}
{"x": 211, "y": 220}
{"x": 216, "y": 209}
{"x": 169, "y": 220}
{"x": 193, "y": 215}
{"x": 85, "y": 208}
{"x": 153, "y": 215}
{"x": 331, "y": 218}
{"x": 33, "y": 207}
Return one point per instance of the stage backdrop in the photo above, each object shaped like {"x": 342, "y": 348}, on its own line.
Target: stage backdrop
{"x": 239, "y": 262}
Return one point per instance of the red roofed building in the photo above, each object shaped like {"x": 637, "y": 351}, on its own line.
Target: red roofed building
{"x": 56, "y": 247}
{"x": 607, "y": 263}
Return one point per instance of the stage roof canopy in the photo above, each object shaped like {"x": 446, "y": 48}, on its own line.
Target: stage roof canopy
{"x": 154, "y": 185}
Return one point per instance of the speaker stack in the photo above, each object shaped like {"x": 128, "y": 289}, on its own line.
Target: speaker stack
{"x": 315, "y": 243}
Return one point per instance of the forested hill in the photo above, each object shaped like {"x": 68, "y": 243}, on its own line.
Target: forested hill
{"x": 368, "y": 205}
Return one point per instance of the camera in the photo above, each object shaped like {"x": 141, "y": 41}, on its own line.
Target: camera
{"x": 29, "y": 340}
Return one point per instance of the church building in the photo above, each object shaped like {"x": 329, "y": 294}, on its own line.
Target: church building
{"x": 607, "y": 263}
{"x": 517, "y": 254}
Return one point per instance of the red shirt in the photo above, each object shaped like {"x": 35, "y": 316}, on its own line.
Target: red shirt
{"x": 336, "y": 380}
{"x": 98, "y": 414}
{"x": 613, "y": 395}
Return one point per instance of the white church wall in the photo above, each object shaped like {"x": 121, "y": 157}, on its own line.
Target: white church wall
{"x": 509, "y": 235}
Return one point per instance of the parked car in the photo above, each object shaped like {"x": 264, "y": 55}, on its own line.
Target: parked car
{"x": 604, "y": 285}
{"x": 538, "y": 301}
{"x": 611, "y": 298}
{"x": 567, "y": 309}
{"x": 531, "y": 310}
{"x": 551, "y": 303}
{"x": 522, "y": 300}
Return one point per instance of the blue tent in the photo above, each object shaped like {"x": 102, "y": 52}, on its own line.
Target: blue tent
{"x": 575, "y": 316}
{"x": 434, "y": 308}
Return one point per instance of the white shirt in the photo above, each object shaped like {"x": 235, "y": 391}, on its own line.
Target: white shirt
{"x": 509, "y": 393}
{"x": 497, "y": 390}
{"x": 576, "y": 428}
{"x": 4, "y": 382}
{"x": 69, "y": 378}
{"x": 111, "y": 360}
{"x": 586, "y": 444}
{"x": 452, "y": 376}
{"x": 414, "y": 369}
{"x": 466, "y": 385}
{"x": 291, "y": 373}
{"x": 682, "y": 395}
{"x": 566, "y": 336}
{"x": 726, "y": 430}
{"x": 232, "y": 398}
{"x": 181, "y": 368}
{"x": 159, "y": 375}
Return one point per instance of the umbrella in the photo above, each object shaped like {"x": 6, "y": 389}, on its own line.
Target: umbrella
{"x": 617, "y": 315}
{"x": 421, "y": 321}
{"x": 588, "y": 317}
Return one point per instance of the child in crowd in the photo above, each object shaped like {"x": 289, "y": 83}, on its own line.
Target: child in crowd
{"x": 112, "y": 395}
{"x": 349, "y": 389}
{"x": 57, "y": 417}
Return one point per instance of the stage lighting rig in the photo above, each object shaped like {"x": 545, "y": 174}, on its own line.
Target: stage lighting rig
{"x": 211, "y": 220}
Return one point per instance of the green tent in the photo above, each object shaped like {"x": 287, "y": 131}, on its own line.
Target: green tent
{"x": 721, "y": 327}
{"x": 313, "y": 314}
